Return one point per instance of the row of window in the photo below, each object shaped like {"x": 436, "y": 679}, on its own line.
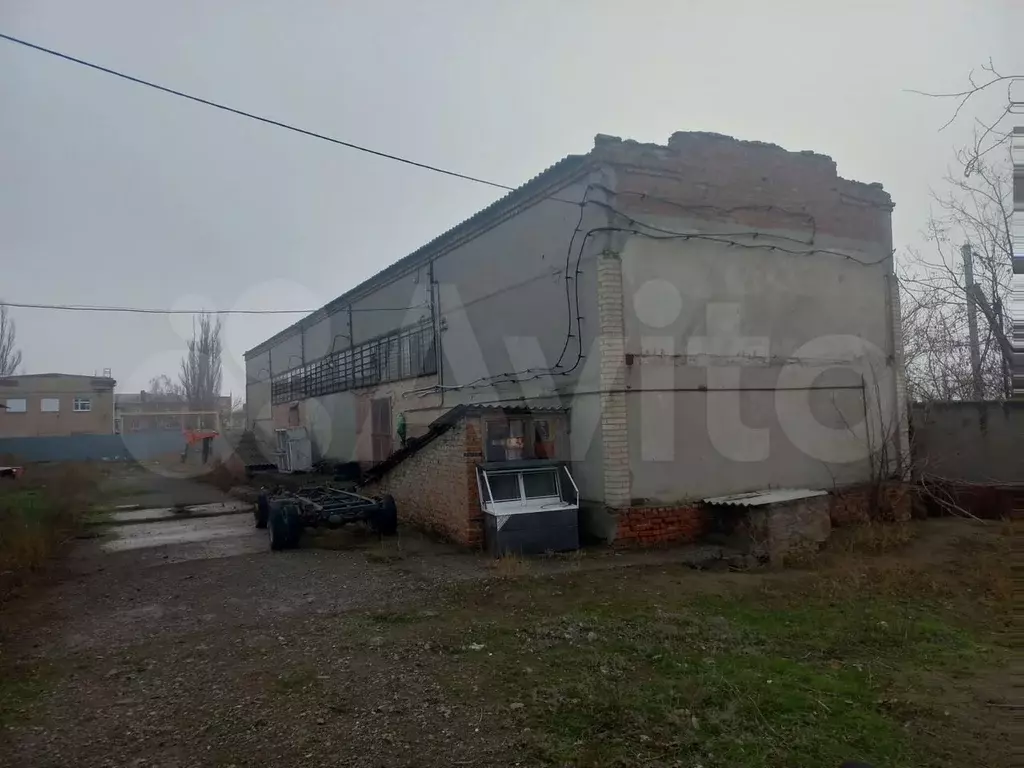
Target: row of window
{"x": 48, "y": 405}
{"x": 404, "y": 354}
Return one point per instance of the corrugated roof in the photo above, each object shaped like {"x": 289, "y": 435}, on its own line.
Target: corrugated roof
{"x": 763, "y": 498}
{"x": 442, "y": 424}
{"x": 517, "y": 408}
{"x": 566, "y": 167}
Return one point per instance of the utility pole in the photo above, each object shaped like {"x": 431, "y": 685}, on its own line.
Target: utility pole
{"x": 972, "y": 320}
{"x": 1007, "y": 359}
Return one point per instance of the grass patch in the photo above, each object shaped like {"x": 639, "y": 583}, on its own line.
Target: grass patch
{"x": 868, "y": 658}
{"x": 20, "y": 689}
{"x": 38, "y": 514}
{"x": 509, "y": 566}
{"x": 874, "y": 537}
{"x": 728, "y": 683}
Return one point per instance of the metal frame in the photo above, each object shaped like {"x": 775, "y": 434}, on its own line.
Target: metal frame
{"x": 525, "y": 503}
{"x": 327, "y": 505}
{"x": 400, "y": 354}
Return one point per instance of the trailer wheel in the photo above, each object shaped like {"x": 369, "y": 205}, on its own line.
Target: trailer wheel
{"x": 385, "y": 517}
{"x": 283, "y": 526}
{"x": 261, "y": 513}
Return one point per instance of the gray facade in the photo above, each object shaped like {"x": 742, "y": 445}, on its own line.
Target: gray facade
{"x": 707, "y": 344}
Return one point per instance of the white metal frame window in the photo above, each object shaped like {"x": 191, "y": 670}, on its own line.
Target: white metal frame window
{"x": 17, "y": 405}
{"x": 49, "y": 405}
{"x": 527, "y": 489}
{"x": 83, "y": 405}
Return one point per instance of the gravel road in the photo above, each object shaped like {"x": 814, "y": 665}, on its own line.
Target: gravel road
{"x": 208, "y": 650}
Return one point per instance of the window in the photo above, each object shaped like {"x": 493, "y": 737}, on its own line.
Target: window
{"x": 504, "y": 487}
{"x": 49, "y": 405}
{"x": 83, "y": 405}
{"x": 403, "y": 354}
{"x": 540, "y": 485}
{"x": 17, "y": 405}
{"x": 532, "y": 486}
{"x": 510, "y": 439}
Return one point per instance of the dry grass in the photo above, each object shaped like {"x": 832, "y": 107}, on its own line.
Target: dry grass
{"x": 41, "y": 512}
{"x": 874, "y": 537}
{"x": 387, "y": 551}
{"x": 510, "y": 566}
{"x": 221, "y": 476}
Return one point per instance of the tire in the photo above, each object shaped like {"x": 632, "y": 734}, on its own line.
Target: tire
{"x": 261, "y": 513}
{"x": 283, "y": 526}
{"x": 385, "y": 518}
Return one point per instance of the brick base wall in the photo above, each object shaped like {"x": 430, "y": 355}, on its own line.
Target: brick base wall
{"x": 435, "y": 489}
{"x": 855, "y": 505}
{"x": 659, "y": 526}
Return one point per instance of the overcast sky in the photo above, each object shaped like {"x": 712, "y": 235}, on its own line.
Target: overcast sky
{"x": 111, "y": 193}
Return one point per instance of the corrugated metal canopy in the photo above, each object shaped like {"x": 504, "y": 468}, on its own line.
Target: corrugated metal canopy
{"x": 517, "y": 408}
{"x": 763, "y": 498}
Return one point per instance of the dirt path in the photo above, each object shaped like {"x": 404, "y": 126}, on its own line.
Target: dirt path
{"x": 186, "y": 642}
{"x": 225, "y": 661}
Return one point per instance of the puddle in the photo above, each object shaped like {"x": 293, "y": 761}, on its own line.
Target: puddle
{"x": 158, "y": 514}
{"x": 190, "y": 539}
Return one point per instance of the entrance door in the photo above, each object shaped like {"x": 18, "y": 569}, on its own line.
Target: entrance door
{"x": 380, "y": 428}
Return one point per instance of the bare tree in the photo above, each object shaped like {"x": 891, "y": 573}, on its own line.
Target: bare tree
{"x": 10, "y": 358}
{"x": 991, "y": 132}
{"x": 201, "y": 374}
{"x": 974, "y": 209}
{"x": 163, "y": 385}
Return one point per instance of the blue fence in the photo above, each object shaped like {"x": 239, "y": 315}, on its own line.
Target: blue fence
{"x": 140, "y": 446}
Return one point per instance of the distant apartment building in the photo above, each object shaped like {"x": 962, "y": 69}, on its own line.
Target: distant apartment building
{"x": 146, "y": 411}
{"x": 47, "y": 404}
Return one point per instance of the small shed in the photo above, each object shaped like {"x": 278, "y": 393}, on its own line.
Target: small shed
{"x": 480, "y": 468}
{"x": 774, "y": 523}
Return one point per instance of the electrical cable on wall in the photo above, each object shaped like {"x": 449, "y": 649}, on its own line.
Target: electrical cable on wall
{"x": 656, "y": 233}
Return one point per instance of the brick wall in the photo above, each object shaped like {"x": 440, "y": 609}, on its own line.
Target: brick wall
{"x": 653, "y": 526}
{"x": 749, "y": 182}
{"x": 856, "y": 505}
{"x": 435, "y": 488}
{"x": 427, "y": 489}
{"x": 614, "y": 426}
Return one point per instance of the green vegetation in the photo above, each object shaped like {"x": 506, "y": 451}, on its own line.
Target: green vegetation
{"x": 725, "y": 681}
{"x": 20, "y": 690}
{"x": 39, "y": 513}
{"x": 865, "y": 658}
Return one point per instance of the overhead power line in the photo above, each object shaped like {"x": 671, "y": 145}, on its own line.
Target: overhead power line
{"x": 252, "y": 116}
{"x": 157, "y": 311}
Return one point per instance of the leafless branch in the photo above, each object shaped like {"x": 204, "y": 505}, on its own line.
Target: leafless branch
{"x": 933, "y": 292}
{"x": 990, "y": 136}
{"x": 10, "y": 356}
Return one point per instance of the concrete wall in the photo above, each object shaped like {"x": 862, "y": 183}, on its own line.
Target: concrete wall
{"x": 138, "y": 446}
{"x": 746, "y": 338}
{"x": 501, "y": 306}
{"x": 969, "y": 442}
{"x": 731, "y": 331}
{"x": 34, "y": 422}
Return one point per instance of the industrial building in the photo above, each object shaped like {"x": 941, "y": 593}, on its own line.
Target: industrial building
{"x": 56, "y": 404}
{"x": 709, "y": 317}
